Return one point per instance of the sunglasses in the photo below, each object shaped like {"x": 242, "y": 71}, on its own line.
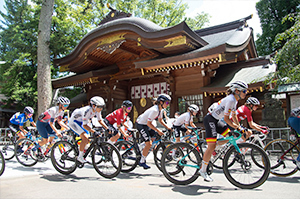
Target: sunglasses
{"x": 29, "y": 115}
{"x": 66, "y": 105}
{"x": 128, "y": 108}
{"x": 100, "y": 106}
{"x": 244, "y": 91}
{"x": 167, "y": 102}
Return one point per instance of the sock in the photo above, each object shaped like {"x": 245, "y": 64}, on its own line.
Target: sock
{"x": 80, "y": 154}
{"x": 204, "y": 166}
{"x": 110, "y": 142}
{"x": 143, "y": 159}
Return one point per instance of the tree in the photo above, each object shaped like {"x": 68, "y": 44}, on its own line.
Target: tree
{"x": 271, "y": 13}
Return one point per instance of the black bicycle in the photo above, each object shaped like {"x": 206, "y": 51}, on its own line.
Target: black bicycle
{"x": 181, "y": 162}
{"x": 8, "y": 142}
{"x": 131, "y": 151}
{"x": 2, "y": 163}
{"x": 106, "y": 158}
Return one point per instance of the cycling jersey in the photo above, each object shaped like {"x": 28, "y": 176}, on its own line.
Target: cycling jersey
{"x": 51, "y": 114}
{"x": 242, "y": 113}
{"x": 150, "y": 114}
{"x": 85, "y": 114}
{"x": 185, "y": 118}
{"x": 224, "y": 107}
{"x": 19, "y": 119}
{"x": 118, "y": 116}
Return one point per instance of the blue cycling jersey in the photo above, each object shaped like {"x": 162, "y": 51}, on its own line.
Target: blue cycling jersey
{"x": 19, "y": 119}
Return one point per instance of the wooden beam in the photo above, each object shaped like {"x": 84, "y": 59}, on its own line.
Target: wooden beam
{"x": 98, "y": 60}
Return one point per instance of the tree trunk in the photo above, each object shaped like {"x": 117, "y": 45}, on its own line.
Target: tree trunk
{"x": 43, "y": 57}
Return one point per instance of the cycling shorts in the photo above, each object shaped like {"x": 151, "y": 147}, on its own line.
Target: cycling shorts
{"x": 45, "y": 129}
{"x": 178, "y": 129}
{"x": 214, "y": 126}
{"x": 15, "y": 128}
{"x": 77, "y": 127}
{"x": 146, "y": 132}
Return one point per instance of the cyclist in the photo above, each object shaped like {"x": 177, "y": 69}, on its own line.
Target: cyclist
{"x": 213, "y": 124}
{"x": 184, "y": 120}
{"x": 245, "y": 111}
{"x": 294, "y": 122}
{"x": 79, "y": 121}
{"x": 119, "y": 117}
{"x": 45, "y": 123}
{"x": 147, "y": 129}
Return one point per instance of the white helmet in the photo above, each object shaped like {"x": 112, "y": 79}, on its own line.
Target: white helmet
{"x": 193, "y": 108}
{"x": 63, "y": 100}
{"x": 253, "y": 101}
{"x": 164, "y": 97}
{"x": 239, "y": 85}
{"x": 97, "y": 101}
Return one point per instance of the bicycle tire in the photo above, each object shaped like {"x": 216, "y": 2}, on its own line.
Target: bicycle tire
{"x": 172, "y": 168}
{"x": 244, "y": 169}
{"x": 7, "y": 147}
{"x": 27, "y": 157}
{"x": 63, "y": 157}
{"x": 107, "y": 160}
{"x": 129, "y": 155}
{"x": 2, "y": 163}
{"x": 158, "y": 152}
{"x": 275, "y": 149}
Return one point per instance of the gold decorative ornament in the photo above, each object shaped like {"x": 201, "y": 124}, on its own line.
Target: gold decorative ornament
{"x": 143, "y": 102}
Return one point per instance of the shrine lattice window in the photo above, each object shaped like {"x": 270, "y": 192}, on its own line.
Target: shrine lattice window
{"x": 185, "y": 101}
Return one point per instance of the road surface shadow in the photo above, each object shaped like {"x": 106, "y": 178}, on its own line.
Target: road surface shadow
{"x": 290, "y": 179}
{"x": 68, "y": 178}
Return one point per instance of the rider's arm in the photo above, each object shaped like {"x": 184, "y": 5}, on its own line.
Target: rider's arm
{"x": 103, "y": 124}
{"x": 150, "y": 125}
{"x": 88, "y": 128}
{"x": 231, "y": 123}
{"x": 22, "y": 129}
{"x": 163, "y": 123}
{"x": 33, "y": 124}
{"x": 255, "y": 126}
{"x": 54, "y": 128}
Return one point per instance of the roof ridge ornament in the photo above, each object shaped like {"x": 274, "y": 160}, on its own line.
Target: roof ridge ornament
{"x": 114, "y": 14}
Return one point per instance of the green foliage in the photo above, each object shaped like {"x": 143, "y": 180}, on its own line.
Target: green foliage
{"x": 288, "y": 57}
{"x": 271, "y": 13}
{"x": 198, "y": 22}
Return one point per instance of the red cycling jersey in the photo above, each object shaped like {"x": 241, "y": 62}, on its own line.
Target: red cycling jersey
{"x": 117, "y": 116}
{"x": 243, "y": 112}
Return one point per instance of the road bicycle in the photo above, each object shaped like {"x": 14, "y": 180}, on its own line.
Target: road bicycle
{"x": 8, "y": 143}
{"x": 131, "y": 150}
{"x": 282, "y": 154}
{"x": 106, "y": 158}
{"x": 28, "y": 155}
{"x": 2, "y": 163}
{"x": 238, "y": 165}
{"x": 257, "y": 138}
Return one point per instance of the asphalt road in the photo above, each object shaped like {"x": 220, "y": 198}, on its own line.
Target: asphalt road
{"x": 43, "y": 181}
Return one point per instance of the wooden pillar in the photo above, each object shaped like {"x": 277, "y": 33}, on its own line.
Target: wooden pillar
{"x": 174, "y": 103}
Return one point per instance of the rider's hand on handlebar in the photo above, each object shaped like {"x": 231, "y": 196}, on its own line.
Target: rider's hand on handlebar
{"x": 264, "y": 131}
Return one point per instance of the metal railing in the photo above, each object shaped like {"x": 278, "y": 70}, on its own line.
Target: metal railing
{"x": 4, "y": 131}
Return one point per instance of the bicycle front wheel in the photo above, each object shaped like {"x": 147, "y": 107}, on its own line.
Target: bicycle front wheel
{"x": 244, "y": 172}
{"x": 158, "y": 152}
{"x": 128, "y": 154}
{"x": 63, "y": 157}
{"x": 107, "y": 160}
{"x": 282, "y": 165}
{"x": 24, "y": 154}
{"x": 7, "y": 147}
{"x": 180, "y": 163}
{"x": 2, "y": 163}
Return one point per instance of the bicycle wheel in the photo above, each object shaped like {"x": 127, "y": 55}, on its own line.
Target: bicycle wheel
{"x": 180, "y": 163}
{"x": 244, "y": 173}
{"x": 128, "y": 154}
{"x": 107, "y": 160}
{"x": 25, "y": 155}
{"x": 2, "y": 163}
{"x": 7, "y": 147}
{"x": 63, "y": 157}
{"x": 282, "y": 166}
{"x": 158, "y": 152}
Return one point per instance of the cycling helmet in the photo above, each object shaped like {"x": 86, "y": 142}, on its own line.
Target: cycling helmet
{"x": 127, "y": 103}
{"x": 164, "y": 97}
{"x": 97, "y": 101}
{"x": 193, "y": 108}
{"x": 28, "y": 110}
{"x": 239, "y": 85}
{"x": 253, "y": 101}
{"x": 63, "y": 100}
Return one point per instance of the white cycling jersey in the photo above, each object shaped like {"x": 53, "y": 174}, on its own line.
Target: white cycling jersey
{"x": 85, "y": 114}
{"x": 224, "y": 107}
{"x": 149, "y": 115}
{"x": 51, "y": 114}
{"x": 185, "y": 118}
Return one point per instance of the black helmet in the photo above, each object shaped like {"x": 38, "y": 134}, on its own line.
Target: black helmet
{"x": 164, "y": 97}
{"x": 127, "y": 103}
{"x": 28, "y": 110}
